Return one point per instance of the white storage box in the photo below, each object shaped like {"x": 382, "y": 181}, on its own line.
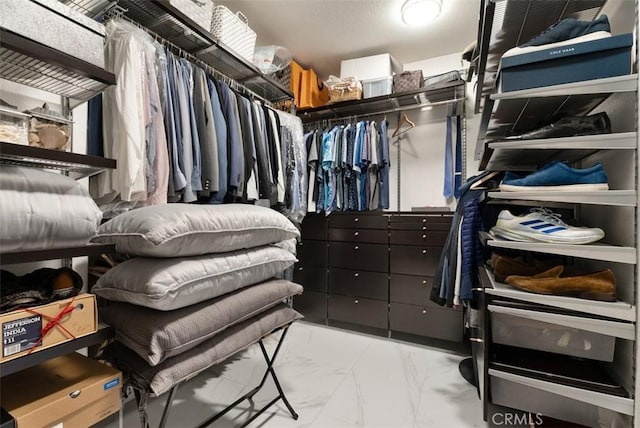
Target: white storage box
{"x": 377, "y": 87}
{"x": 56, "y": 25}
{"x": 13, "y": 126}
{"x": 515, "y": 327}
{"x": 234, "y": 32}
{"x": 370, "y": 67}
{"x": 200, "y": 11}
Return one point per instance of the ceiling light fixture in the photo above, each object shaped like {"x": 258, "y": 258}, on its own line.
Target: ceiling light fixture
{"x": 420, "y": 12}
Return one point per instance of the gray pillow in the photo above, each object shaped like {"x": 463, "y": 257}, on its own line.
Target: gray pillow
{"x": 167, "y": 284}
{"x": 155, "y": 335}
{"x": 179, "y": 230}
{"x": 161, "y": 378}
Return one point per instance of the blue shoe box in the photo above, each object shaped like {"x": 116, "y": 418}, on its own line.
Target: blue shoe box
{"x": 590, "y": 60}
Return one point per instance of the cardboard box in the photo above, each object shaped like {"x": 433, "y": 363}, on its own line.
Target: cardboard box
{"x": 21, "y": 329}
{"x": 68, "y": 391}
{"x": 596, "y": 59}
{"x": 313, "y": 92}
{"x": 370, "y": 67}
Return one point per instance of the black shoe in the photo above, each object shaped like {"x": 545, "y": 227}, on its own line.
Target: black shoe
{"x": 569, "y": 28}
{"x": 568, "y": 127}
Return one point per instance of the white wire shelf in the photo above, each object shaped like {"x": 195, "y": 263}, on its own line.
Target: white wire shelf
{"x": 623, "y": 198}
{"x": 607, "y": 253}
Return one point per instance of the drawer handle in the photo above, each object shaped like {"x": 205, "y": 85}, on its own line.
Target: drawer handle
{"x": 356, "y": 247}
{"x": 356, "y": 275}
{"x": 479, "y": 290}
{"x": 424, "y": 251}
{"x": 300, "y": 268}
{"x": 424, "y": 311}
{"x": 355, "y": 301}
{"x": 356, "y": 233}
{"x": 424, "y": 220}
{"x": 356, "y": 219}
{"x": 424, "y": 227}
{"x": 424, "y": 282}
{"x": 475, "y": 339}
{"x": 424, "y": 236}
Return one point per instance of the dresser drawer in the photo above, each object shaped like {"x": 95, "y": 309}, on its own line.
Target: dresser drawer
{"x": 410, "y": 289}
{"x": 414, "y": 260}
{"x": 374, "y": 285}
{"x": 421, "y": 222}
{"x": 373, "y": 236}
{"x": 311, "y": 304}
{"x": 311, "y": 278}
{"x": 372, "y": 257}
{"x": 313, "y": 253}
{"x": 357, "y": 310}
{"x": 314, "y": 226}
{"x": 418, "y": 237}
{"x": 426, "y": 321}
{"x": 359, "y": 221}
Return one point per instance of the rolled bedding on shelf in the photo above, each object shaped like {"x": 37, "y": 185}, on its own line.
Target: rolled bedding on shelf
{"x": 173, "y": 283}
{"x": 44, "y": 210}
{"x": 158, "y": 335}
{"x": 161, "y": 378}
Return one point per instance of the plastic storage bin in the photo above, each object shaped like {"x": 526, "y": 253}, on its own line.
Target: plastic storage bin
{"x": 13, "y": 126}
{"x": 524, "y": 332}
{"x": 377, "y": 87}
{"x": 370, "y": 67}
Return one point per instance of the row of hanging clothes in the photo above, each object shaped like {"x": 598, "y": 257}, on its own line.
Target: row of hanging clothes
{"x": 182, "y": 135}
{"x": 348, "y": 167}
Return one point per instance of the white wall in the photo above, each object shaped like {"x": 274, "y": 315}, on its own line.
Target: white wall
{"x": 422, "y": 149}
{"x": 26, "y": 98}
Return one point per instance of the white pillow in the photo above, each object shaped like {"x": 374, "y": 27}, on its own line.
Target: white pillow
{"x": 40, "y": 209}
{"x": 179, "y": 230}
{"x": 167, "y": 284}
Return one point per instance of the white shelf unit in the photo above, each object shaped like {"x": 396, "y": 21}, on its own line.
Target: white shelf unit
{"x": 616, "y": 210}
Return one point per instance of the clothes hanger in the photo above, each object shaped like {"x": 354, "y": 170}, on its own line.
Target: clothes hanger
{"x": 484, "y": 179}
{"x": 405, "y": 119}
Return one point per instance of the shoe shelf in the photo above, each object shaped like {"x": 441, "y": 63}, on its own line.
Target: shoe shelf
{"x": 33, "y": 64}
{"x": 505, "y": 24}
{"x": 165, "y": 20}
{"x": 617, "y": 310}
{"x": 623, "y": 198}
{"x": 524, "y": 110}
{"x": 77, "y": 165}
{"x": 603, "y": 252}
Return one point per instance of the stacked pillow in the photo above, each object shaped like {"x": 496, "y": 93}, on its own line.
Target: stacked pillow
{"x": 198, "y": 270}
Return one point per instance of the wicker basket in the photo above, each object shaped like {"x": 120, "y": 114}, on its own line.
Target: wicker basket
{"x": 407, "y": 81}
{"x": 337, "y": 95}
{"x": 233, "y": 31}
{"x": 200, "y": 11}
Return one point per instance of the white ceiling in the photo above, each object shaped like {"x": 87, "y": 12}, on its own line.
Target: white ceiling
{"x": 320, "y": 33}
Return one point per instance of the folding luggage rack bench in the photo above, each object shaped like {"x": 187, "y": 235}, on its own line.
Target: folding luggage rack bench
{"x": 141, "y": 400}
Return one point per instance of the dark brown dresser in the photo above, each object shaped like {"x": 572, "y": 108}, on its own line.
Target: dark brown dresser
{"x": 375, "y": 270}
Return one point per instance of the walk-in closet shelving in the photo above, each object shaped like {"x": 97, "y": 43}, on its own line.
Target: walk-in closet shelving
{"x": 517, "y": 384}
{"x": 507, "y": 23}
{"x": 164, "y": 19}
{"x": 33, "y": 64}
{"x": 39, "y": 66}
{"x": 451, "y": 93}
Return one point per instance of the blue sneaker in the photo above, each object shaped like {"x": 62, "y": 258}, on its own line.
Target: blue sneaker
{"x": 559, "y": 177}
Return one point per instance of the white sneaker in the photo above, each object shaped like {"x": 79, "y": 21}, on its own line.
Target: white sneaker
{"x": 543, "y": 225}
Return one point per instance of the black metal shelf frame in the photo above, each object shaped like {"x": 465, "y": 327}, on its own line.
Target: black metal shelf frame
{"x": 104, "y": 332}
{"x": 14, "y": 257}
{"x": 450, "y": 93}
{"x": 164, "y": 19}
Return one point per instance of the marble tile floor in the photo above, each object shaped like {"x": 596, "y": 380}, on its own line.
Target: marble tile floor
{"x": 334, "y": 379}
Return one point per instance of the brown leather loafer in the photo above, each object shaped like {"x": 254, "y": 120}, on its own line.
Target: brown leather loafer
{"x": 595, "y": 286}
{"x": 524, "y": 265}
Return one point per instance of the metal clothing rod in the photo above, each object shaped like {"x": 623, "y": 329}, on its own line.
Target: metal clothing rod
{"x": 177, "y": 50}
